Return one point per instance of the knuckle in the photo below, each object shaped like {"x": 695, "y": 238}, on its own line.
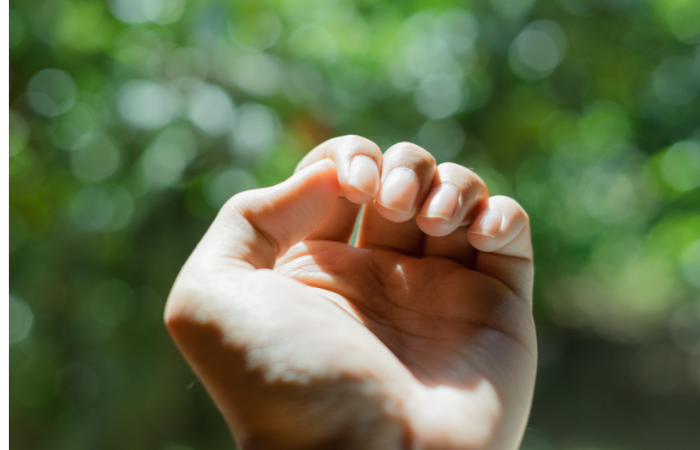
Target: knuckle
{"x": 409, "y": 150}
{"x": 233, "y": 202}
{"x": 353, "y": 142}
{"x": 516, "y": 208}
{"x": 236, "y": 204}
{"x": 450, "y": 167}
{"x": 229, "y": 207}
{"x": 456, "y": 170}
{"x": 462, "y": 176}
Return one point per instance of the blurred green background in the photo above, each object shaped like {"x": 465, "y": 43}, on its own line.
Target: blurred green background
{"x": 132, "y": 121}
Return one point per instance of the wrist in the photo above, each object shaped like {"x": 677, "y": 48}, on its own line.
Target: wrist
{"x": 327, "y": 416}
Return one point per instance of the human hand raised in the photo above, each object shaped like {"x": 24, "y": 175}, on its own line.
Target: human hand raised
{"x": 420, "y": 336}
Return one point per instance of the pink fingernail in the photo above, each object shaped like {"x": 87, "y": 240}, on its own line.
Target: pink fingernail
{"x": 364, "y": 175}
{"x": 400, "y": 190}
{"x": 489, "y": 224}
{"x": 441, "y": 203}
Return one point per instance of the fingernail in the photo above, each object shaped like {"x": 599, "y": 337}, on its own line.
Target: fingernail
{"x": 399, "y": 190}
{"x": 364, "y": 175}
{"x": 441, "y": 203}
{"x": 489, "y": 224}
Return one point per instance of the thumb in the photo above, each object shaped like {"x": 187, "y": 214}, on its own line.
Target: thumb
{"x": 255, "y": 227}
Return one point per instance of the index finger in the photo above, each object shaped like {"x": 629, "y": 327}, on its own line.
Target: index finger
{"x": 358, "y": 162}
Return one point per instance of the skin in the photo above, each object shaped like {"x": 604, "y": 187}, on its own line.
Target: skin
{"x": 418, "y": 337}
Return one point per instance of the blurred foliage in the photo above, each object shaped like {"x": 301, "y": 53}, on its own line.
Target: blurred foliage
{"x": 132, "y": 121}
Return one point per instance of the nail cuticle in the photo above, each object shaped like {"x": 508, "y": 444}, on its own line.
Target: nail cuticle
{"x": 393, "y": 209}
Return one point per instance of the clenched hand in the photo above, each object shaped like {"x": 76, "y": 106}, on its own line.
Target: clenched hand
{"x": 418, "y": 337}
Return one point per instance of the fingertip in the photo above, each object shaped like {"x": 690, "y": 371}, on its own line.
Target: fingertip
{"x": 399, "y": 194}
{"x": 434, "y": 226}
{"x": 489, "y": 223}
{"x": 498, "y": 225}
{"x": 438, "y": 216}
{"x": 363, "y": 180}
{"x": 392, "y": 215}
{"x": 358, "y": 162}
{"x": 485, "y": 232}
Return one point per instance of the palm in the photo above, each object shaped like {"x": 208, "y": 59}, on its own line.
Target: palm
{"x": 430, "y": 312}
{"x": 452, "y": 328}
{"x": 447, "y": 324}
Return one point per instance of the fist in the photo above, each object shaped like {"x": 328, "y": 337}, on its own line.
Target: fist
{"x": 418, "y": 336}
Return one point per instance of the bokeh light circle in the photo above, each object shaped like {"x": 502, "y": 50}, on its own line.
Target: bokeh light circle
{"x": 51, "y": 92}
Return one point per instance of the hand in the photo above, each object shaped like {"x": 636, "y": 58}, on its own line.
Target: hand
{"x": 421, "y": 336}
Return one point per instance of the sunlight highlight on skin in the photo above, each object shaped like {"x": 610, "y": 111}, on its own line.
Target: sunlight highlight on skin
{"x": 281, "y": 370}
{"x": 440, "y": 410}
{"x": 301, "y": 265}
{"x": 399, "y": 270}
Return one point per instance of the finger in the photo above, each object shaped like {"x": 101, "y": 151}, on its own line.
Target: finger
{"x": 501, "y": 234}
{"x": 454, "y": 200}
{"x": 255, "y": 227}
{"x": 455, "y": 193}
{"x": 498, "y": 229}
{"x": 378, "y": 232}
{"x": 407, "y": 174}
{"x": 358, "y": 162}
{"x": 455, "y": 246}
{"x": 338, "y": 224}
